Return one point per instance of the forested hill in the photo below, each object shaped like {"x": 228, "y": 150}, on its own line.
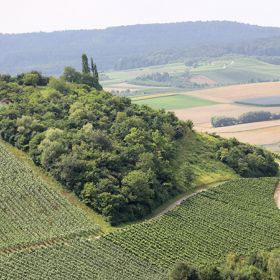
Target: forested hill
{"x": 121, "y": 159}
{"x": 25, "y": 52}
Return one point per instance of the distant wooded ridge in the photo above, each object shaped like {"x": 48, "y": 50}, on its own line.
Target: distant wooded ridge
{"x": 113, "y": 47}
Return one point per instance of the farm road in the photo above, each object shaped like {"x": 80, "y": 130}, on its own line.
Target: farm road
{"x": 176, "y": 203}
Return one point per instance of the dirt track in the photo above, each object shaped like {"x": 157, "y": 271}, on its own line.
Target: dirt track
{"x": 178, "y": 202}
{"x": 277, "y": 196}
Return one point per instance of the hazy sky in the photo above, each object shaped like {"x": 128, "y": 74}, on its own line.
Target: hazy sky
{"x": 17, "y": 16}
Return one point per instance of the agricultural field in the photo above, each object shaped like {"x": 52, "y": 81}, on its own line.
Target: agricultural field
{"x": 170, "y": 102}
{"x": 31, "y": 211}
{"x": 238, "y": 70}
{"x": 239, "y": 216}
{"x": 44, "y": 235}
{"x": 270, "y": 101}
{"x": 228, "y": 70}
{"x": 234, "y": 93}
{"x": 83, "y": 258}
{"x": 202, "y": 116}
{"x": 225, "y": 77}
{"x": 265, "y": 134}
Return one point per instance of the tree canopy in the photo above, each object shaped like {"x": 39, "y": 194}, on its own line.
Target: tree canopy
{"x": 114, "y": 155}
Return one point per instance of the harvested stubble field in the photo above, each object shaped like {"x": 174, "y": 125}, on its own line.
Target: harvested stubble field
{"x": 202, "y": 116}
{"x": 234, "y": 93}
{"x": 259, "y": 133}
{"x": 265, "y": 134}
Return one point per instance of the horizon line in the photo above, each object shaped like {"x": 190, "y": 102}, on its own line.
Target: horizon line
{"x": 132, "y": 25}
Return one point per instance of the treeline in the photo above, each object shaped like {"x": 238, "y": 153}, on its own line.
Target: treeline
{"x": 115, "y": 156}
{"x": 88, "y": 76}
{"x": 158, "y": 77}
{"x": 182, "y": 80}
{"x": 114, "y": 45}
{"x": 246, "y": 160}
{"x": 190, "y": 56}
{"x": 267, "y": 50}
{"x": 263, "y": 265}
{"x": 249, "y": 117}
{"x": 32, "y": 78}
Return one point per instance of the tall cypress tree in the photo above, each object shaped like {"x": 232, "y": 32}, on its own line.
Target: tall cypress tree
{"x": 94, "y": 70}
{"x": 85, "y": 66}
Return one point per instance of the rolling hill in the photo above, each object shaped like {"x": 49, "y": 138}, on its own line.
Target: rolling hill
{"x": 239, "y": 216}
{"x": 25, "y": 52}
{"x": 129, "y": 163}
{"x": 46, "y": 233}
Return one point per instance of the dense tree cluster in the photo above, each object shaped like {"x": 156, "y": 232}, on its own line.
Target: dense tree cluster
{"x": 246, "y": 160}
{"x": 182, "y": 80}
{"x": 223, "y": 121}
{"x": 132, "y": 46}
{"x": 89, "y": 75}
{"x": 33, "y": 78}
{"x": 158, "y": 77}
{"x": 114, "y": 155}
{"x": 263, "y": 265}
{"x": 250, "y": 117}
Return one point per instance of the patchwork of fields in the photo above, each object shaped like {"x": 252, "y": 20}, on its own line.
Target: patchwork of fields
{"x": 220, "y": 71}
{"x": 227, "y": 79}
{"x": 45, "y": 235}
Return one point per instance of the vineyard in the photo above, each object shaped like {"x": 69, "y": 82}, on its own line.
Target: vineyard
{"x": 43, "y": 236}
{"x": 78, "y": 259}
{"x": 239, "y": 216}
{"x": 31, "y": 211}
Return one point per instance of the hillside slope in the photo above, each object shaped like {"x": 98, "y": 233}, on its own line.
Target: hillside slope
{"x": 121, "y": 159}
{"x": 33, "y": 212}
{"x": 238, "y": 217}
{"x": 25, "y": 52}
{"x": 46, "y": 234}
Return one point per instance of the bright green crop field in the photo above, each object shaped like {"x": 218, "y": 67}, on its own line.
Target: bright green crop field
{"x": 235, "y": 70}
{"x": 174, "y": 102}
